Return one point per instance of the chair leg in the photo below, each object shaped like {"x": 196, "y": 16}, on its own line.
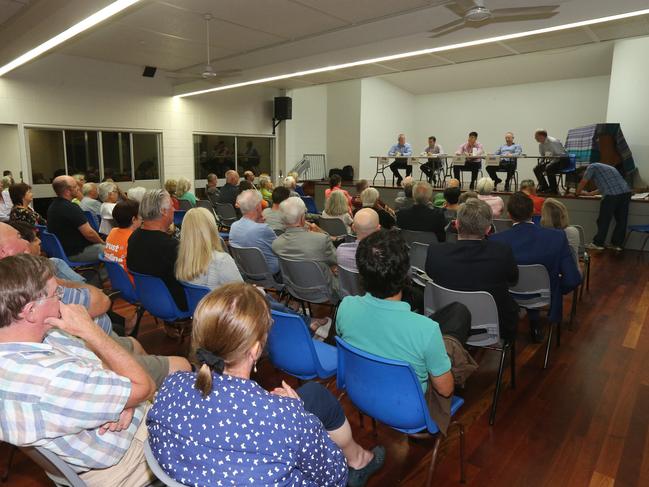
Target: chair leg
{"x": 573, "y": 308}
{"x": 460, "y": 427}
{"x": 499, "y": 380}
{"x": 140, "y": 312}
{"x": 547, "y": 347}
{"x": 5, "y": 475}
{"x": 559, "y": 334}
{"x": 512, "y": 360}
{"x": 588, "y": 275}
{"x": 433, "y": 459}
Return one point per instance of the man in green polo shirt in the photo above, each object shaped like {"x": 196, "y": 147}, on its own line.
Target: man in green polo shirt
{"x": 380, "y": 323}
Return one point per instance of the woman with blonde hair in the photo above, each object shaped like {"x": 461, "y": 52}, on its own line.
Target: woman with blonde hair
{"x": 554, "y": 214}
{"x": 239, "y": 432}
{"x": 336, "y": 207}
{"x": 170, "y": 187}
{"x": 266, "y": 188}
{"x": 182, "y": 191}
{"x": 201, "y": 259}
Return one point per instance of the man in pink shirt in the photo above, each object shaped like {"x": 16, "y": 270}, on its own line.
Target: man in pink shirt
{"x": 470, "y": 148}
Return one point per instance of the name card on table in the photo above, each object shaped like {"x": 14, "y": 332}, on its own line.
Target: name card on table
{"x": 384, "y": 160}
{"x": 492, "y": 160}
{"x": 459, "y": 160}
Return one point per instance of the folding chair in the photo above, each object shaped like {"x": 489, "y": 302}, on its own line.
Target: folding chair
{"x": 305, "y": 282}
{"x": 179, "y": 216}
{"x": 484, "y": 325}
{"x": 226, "y": 213}
{"x": 120, "y": 281}
{"x": 292, "y": 349}
{"x": 194, "y": 294}
{"x": 254, "y": 268}
{"x": 412, "y": 236}
{"x": 389, "y": 391}
{"x": 157, "y": 469}
{"x": 418, "y": 255}
{"x": 53, "y": 248}
{"x": 93, "y": 220}
{"x": 584, "y": 257}
{"x": 185, "y": 205}
{"x": 56, "y": 469}
{"x": 348, "y": 281}
{"x": 333, "y": 226}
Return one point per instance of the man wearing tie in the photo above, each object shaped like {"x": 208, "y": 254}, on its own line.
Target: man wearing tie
{"x": 401, "y": 148}
{"x": 434, "y": 164}
{"x": 470, "y": 148}
{"x": 507, "y": 162}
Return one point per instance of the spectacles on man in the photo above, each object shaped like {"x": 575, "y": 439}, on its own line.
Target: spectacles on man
{"x": 58, "y": 293}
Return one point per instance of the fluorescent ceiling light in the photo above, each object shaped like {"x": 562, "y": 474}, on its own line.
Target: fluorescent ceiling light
{"x": 431, "y": 50}
{"x": 99, "y": 16}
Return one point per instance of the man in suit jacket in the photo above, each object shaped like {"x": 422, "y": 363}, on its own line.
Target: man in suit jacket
{"x": 533, "y": 244}
{"x": 302, "y": 241}
{"x": 476, "y": 264}
{"x": 230, "y": 189}
{"x": 421, "y": 217}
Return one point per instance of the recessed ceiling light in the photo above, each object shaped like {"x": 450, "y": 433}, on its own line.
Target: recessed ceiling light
{"x": 432, "y": 50}
{"x": 85, "y": 24}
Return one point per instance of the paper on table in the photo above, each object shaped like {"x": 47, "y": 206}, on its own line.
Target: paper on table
{"x": 640, "y": 196}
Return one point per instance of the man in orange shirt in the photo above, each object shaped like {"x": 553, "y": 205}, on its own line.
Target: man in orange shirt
{"x": 529, "y": 188}
{"x": 125, "y": 216}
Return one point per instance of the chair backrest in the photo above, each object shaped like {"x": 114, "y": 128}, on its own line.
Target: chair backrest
{"x": 501, "y": 224}
{"x": 92, "y": 220}
{"x": 56, "y": 469}
{"x": 310, "y": 205}
{"x": 51, "y": 245}
{"x": 157, "y": 469}
{"x": 333, "y": 226}
{"x": 226, "y": 211}
{"x": 185, "y": 205}
{"x": 582, "y": 240}
{"x": 349, "y": 285}
{"x": 418, "y": 254}
{"x": 387, "y": 390}
{"x": 533, "y": 288}
{"x": 155, "y": 297}
{"x": 207, "y": 204}
{"x": 179, "y": 216}
{"x": 412, "y": 236}
{"x": 305, "y": 280}
{"x": 119, "y": 280}
{"x": 481, "y": 304}
{"x": 254, "y": 268}
{"x": 194, "y": 294}
{"x": 291, "y": 348}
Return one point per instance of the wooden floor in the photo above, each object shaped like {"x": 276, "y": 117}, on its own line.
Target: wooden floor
{"x": 582, "y": 422}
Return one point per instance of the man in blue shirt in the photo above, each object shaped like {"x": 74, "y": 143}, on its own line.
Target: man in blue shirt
{"x": 509, "y": 150}
{"x": 402, "y": 148}
{"x": 251, "y": 231}
{"x": 616, "y": 196}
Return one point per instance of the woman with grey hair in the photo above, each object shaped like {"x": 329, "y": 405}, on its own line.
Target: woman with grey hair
{"x": 108, "y": 195}
{"x": 5, "y": 199}
{"x": 484, "y": 188}
{"x": 370, "y": 198}
{"x": 336, "y": 207}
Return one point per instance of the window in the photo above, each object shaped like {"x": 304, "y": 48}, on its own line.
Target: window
{"x": 82, "y": 154}
{"x": 116, "y": 149}
{"x": 254, "y": 154}
{"x": 145, "y": 156}
{"x": 46, "y": 154}
{"x": 218, "y": 153}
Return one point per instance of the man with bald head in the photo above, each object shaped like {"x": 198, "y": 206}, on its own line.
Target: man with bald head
{"x": 230, "y": 189}
{"x": 68, "y": 222}
{"x": 366, "y": 222}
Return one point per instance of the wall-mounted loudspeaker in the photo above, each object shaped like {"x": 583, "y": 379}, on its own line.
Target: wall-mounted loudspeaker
{"x": 283, "y": 108}
{"x": 149, "y": 71}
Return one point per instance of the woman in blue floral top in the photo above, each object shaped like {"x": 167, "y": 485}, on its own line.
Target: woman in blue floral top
{"x": 218, "y": 427}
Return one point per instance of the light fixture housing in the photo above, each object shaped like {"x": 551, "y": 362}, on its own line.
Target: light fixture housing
{"x": 477, "y": 14}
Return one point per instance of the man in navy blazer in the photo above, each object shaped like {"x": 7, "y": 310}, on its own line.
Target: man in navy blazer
{"x": 533, "y": 244}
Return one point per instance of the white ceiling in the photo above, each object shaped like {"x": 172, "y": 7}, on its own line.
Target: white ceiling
{"x": 270, "y": 37}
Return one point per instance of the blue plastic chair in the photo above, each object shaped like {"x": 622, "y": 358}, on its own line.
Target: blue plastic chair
{"x": 120, "y": 281}
{"x": 294, "y": 351}
{"x": 638, "y": 229}
{"x": 389, "y": 391}
{"x": 194, "y": 294}
{"x": 154, "y": 295}
{"x": 53, "y": 248}
{"x": 179, "y": 215}
{"x": 92, "y": 220}
{"x": 310, "y": 205}
{"x": 572, "y": 167}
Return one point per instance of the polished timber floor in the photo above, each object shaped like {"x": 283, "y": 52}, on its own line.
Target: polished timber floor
{"x": 582, "y": 422}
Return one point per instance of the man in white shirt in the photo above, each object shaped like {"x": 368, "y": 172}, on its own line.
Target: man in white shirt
{"x": 558, "y": 160}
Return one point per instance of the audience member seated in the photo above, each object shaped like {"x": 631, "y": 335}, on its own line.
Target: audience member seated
{"x": 370, "y": 198}
{"x": 438, "y": 199}
{"x": 273, "y": 216}
{"x": 68, "y": 222}
{"x": 336, "y": 206}
{"x": 21, "y": 198}
{"x": 533, "y": 244}
{"x": 484, "y": 189}
{"x": 245, "y": 185}
{"x": 108, "y": 194}
{"x": 170, "y": 187}
{"x": 212, "y": 190}
{"x": 361, "y": 186}
{"x": 302, "y": 241}
{"x": 467, "y": 195}
{"x": 251, "y": 231}
{"x": 249, "y": 176}
{"x": 5, "y": 199}
{"x": 151, "y": 250}
{"x": 127, "y": 220}
{"x": 366, "y": 222}
{"x": 368, "y": 322}
{"x": 405, "y": 200}
{"x": 236, "y": 426}
{"x": 182, "y": 191}
{"x": 299, "y": 189}
{"x": 266, "y": 189}
{"x": 136, "y": 193}
{"x": 476, "y": 264}
{"x": 291, "y": 184}
{"x": 528, "y": 187}
{"x": 554, "y": 214}
{"x": 68, "y": 365}
{"x": 451, "y": 202}
{"x": 80, "y": 179}
{"x": 90, "y": 201}
{"x": 335, "y": 184}
{"x": 230, "y": 190}
{"x": 421, "y": 217}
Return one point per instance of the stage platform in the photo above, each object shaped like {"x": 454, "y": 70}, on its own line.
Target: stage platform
{"x": 583, "y": 210}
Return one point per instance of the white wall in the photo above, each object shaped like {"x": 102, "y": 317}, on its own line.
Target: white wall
{"x": 628, "y": 101}
{"x": 71, "y": 91}
{"x": 343, "y": 124}
{"x": 9, "y": 150}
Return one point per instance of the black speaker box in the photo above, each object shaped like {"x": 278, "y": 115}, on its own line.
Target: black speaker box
{"x": 283, "y": 108}
{"x": 149, "y": 71}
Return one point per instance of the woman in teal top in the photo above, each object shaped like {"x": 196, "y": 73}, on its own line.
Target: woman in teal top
{"x": 182, "y": 191}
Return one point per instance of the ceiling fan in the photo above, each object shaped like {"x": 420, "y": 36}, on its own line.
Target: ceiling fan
{"x": 474, "y": 13}
{"x": 209, "y": 73}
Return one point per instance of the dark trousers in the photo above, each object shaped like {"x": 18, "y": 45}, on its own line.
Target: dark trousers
{"x": 472, "y": 165}
{"x": 454, "y": 319}
{"x": 612, "y": 206}
{"x": 322, "y": 404}
{"x": 550, "y": 169}
{"x": 508, "y": 167}
{"x": 400, "y": 163}
{"x": 431, "y": 168}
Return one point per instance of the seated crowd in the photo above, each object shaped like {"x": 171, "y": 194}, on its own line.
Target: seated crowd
{"x": 58, "y": 330}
